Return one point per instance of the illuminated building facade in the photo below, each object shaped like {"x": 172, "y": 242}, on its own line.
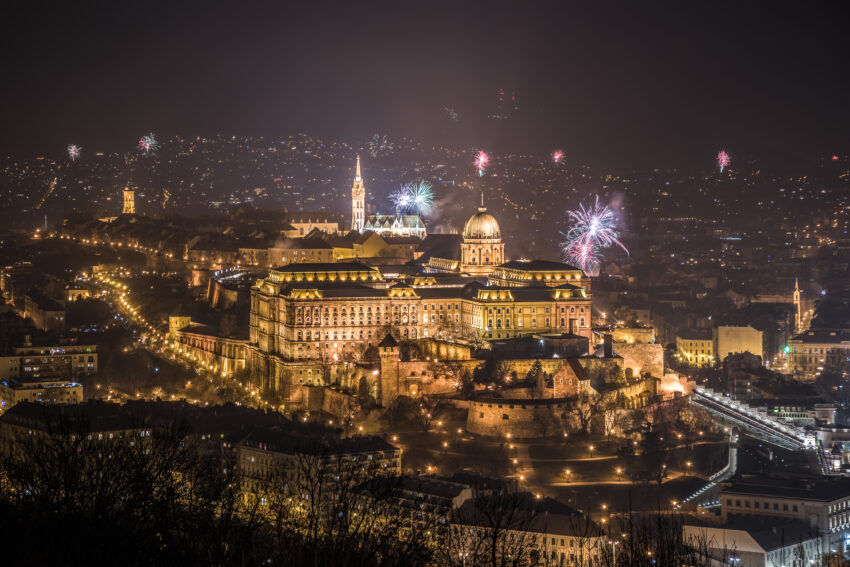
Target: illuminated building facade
{"x": 816, "y": 351}
{"x": 695, "y": 348}
{"x": 335, "y": 312}
{"x": 129, "y": 201}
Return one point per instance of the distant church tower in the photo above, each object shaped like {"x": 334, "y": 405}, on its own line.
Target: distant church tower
{"x": 129, "y": 201}
{"x": 358, "y": 200}
{"x": 798, "y": 317}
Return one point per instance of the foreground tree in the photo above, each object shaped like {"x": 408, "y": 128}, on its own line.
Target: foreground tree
{"x": 129, "y": 499}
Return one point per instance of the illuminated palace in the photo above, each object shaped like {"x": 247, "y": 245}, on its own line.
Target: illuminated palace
{"x": 336, "y": 311}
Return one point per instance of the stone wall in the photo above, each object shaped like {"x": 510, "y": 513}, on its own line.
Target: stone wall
{"x": 642, "y": 358}
{"x": 318, "y": 398}
{"x": 444, "y": 350}
{"x": 522, "y": 419}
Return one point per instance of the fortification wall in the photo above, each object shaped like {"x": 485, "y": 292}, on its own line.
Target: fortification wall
{"x": 642, "y": 358}
{"x": 319, "y": 398}
{"x": 522, "y": 419}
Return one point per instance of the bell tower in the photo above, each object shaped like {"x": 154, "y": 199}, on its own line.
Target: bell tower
{"x": 358, "y": 200}
{"x": 798, "y": 317}
{"x": 129, "y": 201}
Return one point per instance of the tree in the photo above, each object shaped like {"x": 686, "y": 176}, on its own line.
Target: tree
{"x": 612, "y": 411}
{"x": 491, "y": 530}
{"x": 227, "y": 325}
{"x": 324, "y": 512}
{"x": 431, "y": 408}
{"x": 535, "y": 378}
{"x": 584, "y": 407}
{"x": 122, "y": 499}
{"x": 403, "y": 413}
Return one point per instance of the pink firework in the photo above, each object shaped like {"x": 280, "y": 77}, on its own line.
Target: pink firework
{"x": 558, "y": 157}
{"x": 148, "y": 144}
{"x": 723, "y": 159}
{"x": 584, "y": 253}
{"x": 482, "y": 160}
{"x": 74, "y": 152}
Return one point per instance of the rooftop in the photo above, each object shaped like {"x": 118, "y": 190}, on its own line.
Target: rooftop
{"x": 802, "y": 488}
{"x": 325, "y": 267}
{"x": 312, "y": 439}
{"x": 835, "y": 336}
{"x": 538, "y": 266}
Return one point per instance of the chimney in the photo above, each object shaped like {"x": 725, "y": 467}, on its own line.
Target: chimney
{"x": 573, "y": 326}
{"x": 608, "y": 345}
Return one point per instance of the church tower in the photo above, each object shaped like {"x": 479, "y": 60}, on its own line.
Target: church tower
{"x": 129, "y": 201}
{"x": 358, "y": 200}
{"x": 798, "y": 317}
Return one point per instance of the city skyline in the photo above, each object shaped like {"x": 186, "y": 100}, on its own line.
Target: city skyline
{"x": 542, "y": 284}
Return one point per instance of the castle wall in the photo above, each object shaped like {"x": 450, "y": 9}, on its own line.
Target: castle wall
{"x": 318, "y": 398}
{"x": 522, "y": 419}
{"x": 642, "y": 358}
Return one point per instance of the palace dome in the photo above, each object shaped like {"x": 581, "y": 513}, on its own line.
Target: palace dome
{"x": 482, "y": 226}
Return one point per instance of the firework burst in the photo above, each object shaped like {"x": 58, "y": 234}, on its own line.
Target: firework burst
{"x": 585, "y": 254}
{"x": 482, "y": 160}
{"x": 723, "y": 159}
{"x": 451, "y": 114}
{"x": 148, "y": 144}
{"x": 413, "y": 199}
{"x": 558, "y": 157}
{"x": 74, "y": 152}
{"x": 422, "y": 197}
{"x": 594, "y": 229}
{"x": 380, "y": 145}
{"x": 401, "y": 199}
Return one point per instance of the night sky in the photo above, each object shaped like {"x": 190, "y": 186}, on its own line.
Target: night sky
{"x": 615, "y": 84}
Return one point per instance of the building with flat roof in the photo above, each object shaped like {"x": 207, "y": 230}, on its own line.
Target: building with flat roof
{"x": 695, "y": 347}
{"x": 747, "y": 543}
{"x": 66, "y": 361}
{"x": 818, "y": 350}
{"x": 822, "y": 503}
{"x": 48, "y": 391}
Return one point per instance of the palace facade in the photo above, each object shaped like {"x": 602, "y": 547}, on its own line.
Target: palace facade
{"x": 336, "y": 312}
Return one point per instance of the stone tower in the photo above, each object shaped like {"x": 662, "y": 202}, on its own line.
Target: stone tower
{"x": 390, "y": 358}
{"x": 358, "y": 200}
{"x": 129, "y": 201}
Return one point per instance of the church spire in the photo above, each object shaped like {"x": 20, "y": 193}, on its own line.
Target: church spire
{"x": 358, "y": 200}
